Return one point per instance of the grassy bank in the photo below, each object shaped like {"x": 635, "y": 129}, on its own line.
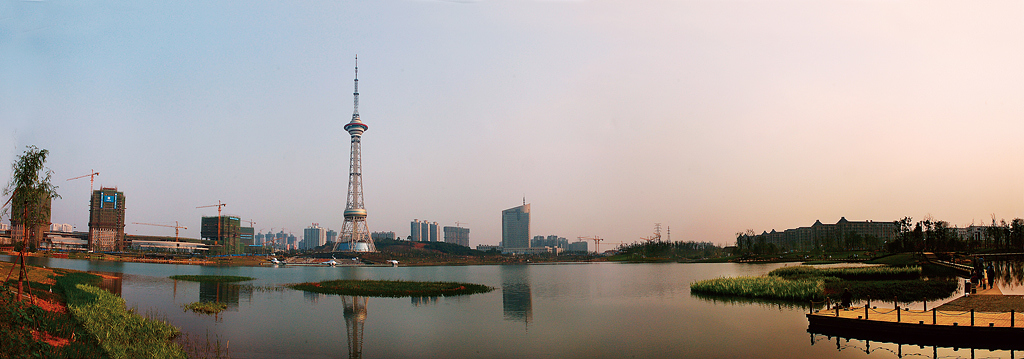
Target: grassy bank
{"x": 809, "y": 283}
{"x": 391, "y": 288}
{"x": 120, "y": 332}
{"x": 211, "y": 278}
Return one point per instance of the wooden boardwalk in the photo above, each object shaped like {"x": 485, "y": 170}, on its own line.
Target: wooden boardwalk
{"x": 987, "y": 319}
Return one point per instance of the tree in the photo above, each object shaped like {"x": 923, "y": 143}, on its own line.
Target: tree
{"x": 30, "y": 191}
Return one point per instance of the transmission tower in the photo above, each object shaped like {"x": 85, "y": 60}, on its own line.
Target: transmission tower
{"x": 354, "y": 231}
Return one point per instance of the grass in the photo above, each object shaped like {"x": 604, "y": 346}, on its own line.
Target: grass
{"x": 809, "y": 283}
{"x": 768, "y": 287}
{"x": 211, "y": 278}
{"x": 857, "y": 273}
{"x": 205, "y": 307}
{"x": 120, "y": 332}
{"x": 899, "y": 260}
{"x": 391, "y": 288}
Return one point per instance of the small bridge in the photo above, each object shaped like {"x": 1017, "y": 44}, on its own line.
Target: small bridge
{"x": 960, "y": 268}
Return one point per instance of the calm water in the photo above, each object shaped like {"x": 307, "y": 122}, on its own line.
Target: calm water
{"x": 600, "y": 310}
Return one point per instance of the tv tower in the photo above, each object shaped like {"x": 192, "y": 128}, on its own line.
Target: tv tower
{"x": 354, "y": 231}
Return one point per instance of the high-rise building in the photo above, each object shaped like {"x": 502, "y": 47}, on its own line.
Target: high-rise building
{"x": 414, "y": 231}
{"x": 313, "y": 237}
{"x": 225, "y": 232}
{"x": 515, "y": 227}
{"x": 106, "y": 220}
{"x": 457, "y": 235}
{"x": 245, "y": 234}
{"x": 355, "y": 234}
{"x": 332, "y": 235}
{"x": 435, "y": 232}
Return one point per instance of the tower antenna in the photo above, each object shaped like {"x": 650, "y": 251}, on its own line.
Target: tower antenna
{"x": 355, "y": 107}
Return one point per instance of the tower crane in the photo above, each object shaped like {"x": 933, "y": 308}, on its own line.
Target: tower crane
{"x": 91, "y": 174}
{"x": 219, "y": 205}
{"x": 597, "y": 242}
{"x": 176, "y": 226}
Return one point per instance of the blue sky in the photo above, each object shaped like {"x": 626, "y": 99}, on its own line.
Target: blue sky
{"x": 709, "y": 117}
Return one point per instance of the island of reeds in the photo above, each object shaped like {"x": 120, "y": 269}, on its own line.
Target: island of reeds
{"x": 205, "y": 307}
{"x": 211, "y": 278}
{"x": 391, "y": 288}
{"x": 802, "y": 283}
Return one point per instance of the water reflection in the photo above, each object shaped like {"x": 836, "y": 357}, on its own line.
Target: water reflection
{"x": 904, "y": 348}
{"x": 226, "y": 293}
{"x": 418, "y": 301}
{"x": 312, "y": 297}
{"x": 112, "y": 282}
{"x": 737, "y": 300}
{"x": 516, "y": 299}
{"x": 355, "y": 316}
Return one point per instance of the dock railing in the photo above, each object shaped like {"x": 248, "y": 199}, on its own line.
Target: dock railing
{"x": 924, "y": 317}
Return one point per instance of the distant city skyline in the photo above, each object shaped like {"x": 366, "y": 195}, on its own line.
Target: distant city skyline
{"x": 707, "y": 117}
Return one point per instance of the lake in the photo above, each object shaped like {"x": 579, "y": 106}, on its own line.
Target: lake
{"x": 572, "y": 310}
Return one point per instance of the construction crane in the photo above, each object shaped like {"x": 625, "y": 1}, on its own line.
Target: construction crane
{"x": 90, "y": 175}
{"x": 219, "y": 205}
{"x": 176, "y": 226}
{"x": 597, "y": 242}
{"x": 459, "y": 224}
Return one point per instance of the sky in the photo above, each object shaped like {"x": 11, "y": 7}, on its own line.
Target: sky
{"x": 707, "y": 116}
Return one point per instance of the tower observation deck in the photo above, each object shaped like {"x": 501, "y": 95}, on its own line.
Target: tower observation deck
{"x": 355, "y": 235}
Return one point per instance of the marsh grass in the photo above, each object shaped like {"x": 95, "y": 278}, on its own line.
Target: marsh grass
{"x": 855, "y": 273}
{"x": 770, "y": 287}
{"x": 808, "y": 283}
{"x": 205, "y": 307}
{"x": 120, "y": 332}
{"x": 391, "y": 288}
{"x": 211, "y": 278}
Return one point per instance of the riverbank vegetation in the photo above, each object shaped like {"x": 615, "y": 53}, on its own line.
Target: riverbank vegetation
{"x": 657, "y": 251}
{"x": 809, "y": 283}
{"x": 121, "y": 332}
{"x": 391, "y": 288}
{"x": 211, "y": 278}
{"x": 64, "y": 315}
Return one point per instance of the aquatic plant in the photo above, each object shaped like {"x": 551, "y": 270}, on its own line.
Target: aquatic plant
{"x": 855, "y": 273}
{"x": 205, "y": 307}
{"x": 762, "y": 287}
{"x": 211, "y": 278}
{"x": 391, "y": 288}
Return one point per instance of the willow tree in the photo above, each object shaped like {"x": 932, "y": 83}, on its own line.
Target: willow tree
{"x": 30, "y": 192}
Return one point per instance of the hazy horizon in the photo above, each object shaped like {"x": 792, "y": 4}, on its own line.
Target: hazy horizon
{"x": 709, "y": 117}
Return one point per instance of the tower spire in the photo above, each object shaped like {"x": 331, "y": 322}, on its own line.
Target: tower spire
{"x": 355, "y": 107}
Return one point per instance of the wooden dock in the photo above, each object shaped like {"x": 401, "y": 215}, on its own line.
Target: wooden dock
{"x": 990, "y": 320}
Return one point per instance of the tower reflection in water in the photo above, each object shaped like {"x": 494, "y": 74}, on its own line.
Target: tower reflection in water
{"x": 515, "y": 293}
{"x": 355, "y": 315}
{"x": 226, "y": 293}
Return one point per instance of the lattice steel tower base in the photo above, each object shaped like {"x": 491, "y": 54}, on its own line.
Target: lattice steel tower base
{"x": 354, "y": 233}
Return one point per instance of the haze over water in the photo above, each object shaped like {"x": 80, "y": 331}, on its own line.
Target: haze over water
{"x": 710, "y": 117}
